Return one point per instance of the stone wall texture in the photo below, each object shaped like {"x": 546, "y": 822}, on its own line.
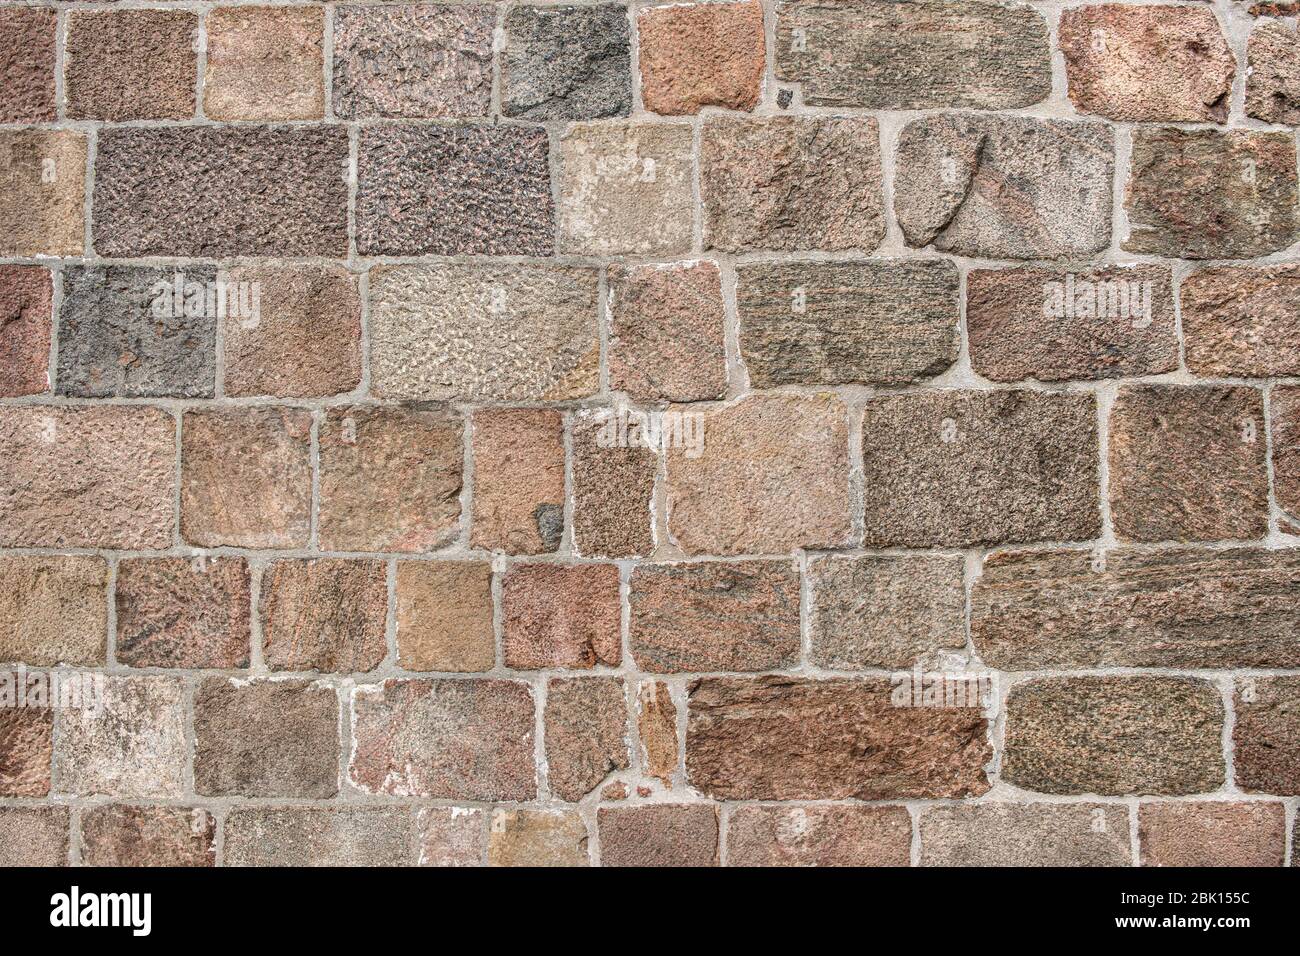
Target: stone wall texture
{"x": 730, "y": 432}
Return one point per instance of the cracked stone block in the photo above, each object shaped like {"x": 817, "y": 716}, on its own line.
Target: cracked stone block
{"x": 26, "y": 305}
{"x": 1148, "y": 63}
{"x": 566, "y": 63}
{"x": 883, "y": 322}
{"x": 1207, "y": 194}
{"x": 427, "y": 60}
{"x": 518, "y": 505}
{"x": 43, "y": 206}
{"x": 265, "y": 63}
{"x": 917, "y": 54}
{"x": 132, "y": 332}
{"x": 1005, "y": 187}
{"x": 585, "y": 725}
{"x": 693, "y": 55}
{"x": 130, "y": 64}
{"x": 791, "y": 183}
{"x": 53, "y": 610}
{"x": 183, "y": 612}
{"x": 27, "y": 64}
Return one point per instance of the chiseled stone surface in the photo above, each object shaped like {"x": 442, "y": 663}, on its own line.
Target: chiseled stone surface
{"x": 874, "y": 322}
{"x": 1114, "y": 736}
{"x": 130, "y": 64}
{"x": 537, "y": 838}
{"x": 265, "y": 63}
{"x": 136, "y": 332}
{"x": 26, "y": 304}
{"x": 1285, "y": 413}
{"x": 505, "y": 333}
{"x": 1266, "y": 735}
{"x": 885, "y": 612}
{"x": 566, "y": 62}
{"x": 1005, "y": 187}
{"x": 1273, "y": 80}
{"x": 1148, "y": 63}
{"x": 1035, "y": 834}
{"x": 431, "y": 60}
{"x": 34, "y": 836}
{"x": 1060, "y": 324}
{"x": 791, "y": 183}
{"x": 1187, "y": 463}
{"x": 659, "y": 835}
{"x": 53, "y": 609}
{"x": 773, "y": 477}
{"x": 87, "y": 477}
{"x": 219, "y": 191}
{"x": 819, "y": 835}
{"x": 119, "y": 835}
{"x": 787, "y": 738}
{"x": 469, "y": 739}
{"x": 183, "y": 612}
{"x": 26, "y": 749}
{"x": 324, "y": 615}
{"x": 586, "y": 734}
{"x": 694, "y": 55}
{"x": 1240, "y": 321}
{"x": 43, "y": 204}
{"x": 318, "y": 836}
{"x": 715, "y": 616}
{"x": 1206, "y": 194}
{"x": 27, "y": 64}
{"x": 1182, "y": 608}
{"x": 612, "y": 488}
{"x": 444, "y": 616}
{"x": 518, "y": 480}
{"x": 1212, "y": 833}
{"x": 916, "y": 54}
{"x": 561, "y": 616}
{"x": 965, "y": 468}
{"x": 626, "y": 189}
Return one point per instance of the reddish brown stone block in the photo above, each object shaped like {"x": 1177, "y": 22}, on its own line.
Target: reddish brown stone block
{"x": 694, "y": 55}
{"x": 183, "y": 612}
{"x": 1212, "y": 834}
{"x": 118, "y": 835}
{"x": 53, "y": 610}
{"x": 518, "y": 480}
{"x": 131, "y": 64}
{"x": 1284, "y": 407}
{"x": 325, "y": 615}
{"x": 26, "y": 748}
{"x": 26, "y": 296}
{"x": 586, "y": 734}
{"x": 1242, "y": 322}
{"x": 659, "y": 835}
{"x": 561, "y": 616}
{"x": 613, "y": 484}
{"x": 452, "y": 836}
{"x": 1266, "y": 736}
{"x": 819, "y": 836}
{"x": 27, "y": 64}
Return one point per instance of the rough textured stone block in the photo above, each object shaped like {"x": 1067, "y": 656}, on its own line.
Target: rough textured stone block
{"x": 453, "y": 739}
{"x": 138, "y": 332}
{"x": 454, "y": 190}
{"x": 134, "y": 748}
{"x": 586, "y": 734}
{"x": 451, "y": 836}
{"x": 885, "y": 612}
{"x": 413, "y": 61}
{"x": 444, "y": 616}
{"x": 656, "y": 715}
{"x": 26, "y": 748}
{"x": 612, "y": 487}
{"x": 130, "y": 64}
{"x": 791, "y": 183}
{"x": 843, "y": 323}
{"x": 324, "y": 615}
{"x": 715, "y": 616}
{"x": 785, "y": 738}
{"x": 951, "y": 189}
{"x": 26, "y": 302}
{"x": 566, "y": 63}
{"x": 246, "y": 477}
{"x": 53, "y": 610}
{"x": 1114, "y": 735}
{"x": 1240, "y": 321}
{"x": 917, "y": 54}
{"x": 1187, "y": 463}
{"x": 390, "y": 478}
{"x": 667, "y": 332}
{"x": 561, "y": 616}
{"x": 1035, "y": 834}
{"x": 508, "y": 333}
{"x": 537, "y": 838}
{"x": 1266, "y": 735}
{"x": 518, "y": 457}
{"x": 43, "y": 204}
{"x": 1273, "y": 76}
{"x": 268, "y": 738}
{"x": 304, "y": 340}
{"x": 1148, "y": 63}
{"x": 183, "y": 612}
{"x": 265, "y": 63}
{"x": 1205, "y": 194}
{"x": 117, "y": 835}
{"x": 694, "y": 55}
{"x": 318, "y": 836}
{"x": 1055, "y": 325}
{"x": 962, "y": 468}
{"x": 87, "y": 477}
{"x": 1186, "y": 609}
{"x": 33, "y": 836}
{"x": 819, "y": 836}
{"x": 625, "y": 189}
{"x": 27, "y": 64}
{"x": 659, "y": 835}
{"x": 773, "y": 477}
{"x": 1284, "y": 407}
{"x": 1212, "y": 834}
{"x": 220, "y": 191}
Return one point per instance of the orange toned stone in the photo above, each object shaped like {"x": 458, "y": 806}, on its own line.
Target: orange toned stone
{"x": 42, "y": 207}
{"x": 444, "y": 616}
{"x": 518, "y": 480}
{"x": 265, "y": 63}
{"x": 325, "y": 615}
{"x": 694, "y": 55}
{"x": 53, "y": 610}
{"x": 657, "y": 726}
{"x": 1212, "y": 834}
